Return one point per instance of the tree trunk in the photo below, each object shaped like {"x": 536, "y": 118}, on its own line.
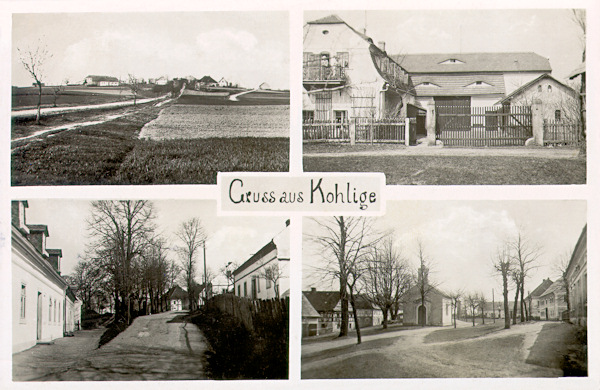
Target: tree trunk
{"x": 505, "y": 296}
{"x": 385, "y": 314}
{"x": 522, "y": 301}
{"x": 355, "y": 314}
{"x": 482, "y": 317}
{"x": 39, "y": 105}
{"x": 473, "y": 314}
{"x": 514, "y": 316}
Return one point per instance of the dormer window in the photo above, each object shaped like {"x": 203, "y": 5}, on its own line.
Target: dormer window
{"x": 479, "y": 83}
{"x": 451, "y": 61}
{"x": 325, "y": 32}
{"x": 549, "y": 88}
{"x": 428, "y": 84}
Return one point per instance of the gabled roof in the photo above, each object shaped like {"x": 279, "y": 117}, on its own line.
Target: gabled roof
{"x": 473, "y": 62}
{"x": 581, "y": 241}
{"x": 322, "y": 300}
{"x": 38, "y": 228}
{"x": 579, "y": 70}
{"x": 255, "y": 257}
{"x": 532, "y": 83}
{"x": 177, "y": 292}
{"x": 414, "y": 290}
{"x": 331, "y": 19}
{"x": 102, "y": 78}
{"x": 207, "y": 79}
{"x": 458, "y": 84}
{"x": 55, "y": 252}
{"x": 307, "y": 309}
{"x": 539, "y": 290}
{"x": 554, "y": 288}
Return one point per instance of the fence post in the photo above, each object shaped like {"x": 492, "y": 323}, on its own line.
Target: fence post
{"x": 537, "y": 122}
{"x": 407, "y": 131}
{"x": 430, "y": 123}
{"x": 352, "y": 126}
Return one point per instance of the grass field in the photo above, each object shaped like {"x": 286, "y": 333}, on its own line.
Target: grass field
{"x": 457, "y": 170}
{"x": 250, "y": 99}
{"x": 111, "y": 153}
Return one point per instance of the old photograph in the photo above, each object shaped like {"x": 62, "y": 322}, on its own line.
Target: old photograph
{"x": 148, "y": 98}
{"x": 446, "y": 97}
{"x": 447, "y": 289}
{"x": 147, "y": 290}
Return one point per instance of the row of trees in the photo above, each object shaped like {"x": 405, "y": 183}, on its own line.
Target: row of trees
{"x": 127, "y": 260}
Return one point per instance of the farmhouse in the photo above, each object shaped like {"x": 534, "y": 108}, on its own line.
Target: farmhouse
{"x": 310, "y": 318}
{"x": 577, "y": 279}
{"x": 265, "y": 275}
{"x": 436, "y": 310}
{"x": 552, "y": 303}
{"x": 223, "y": 82}
{"x": 43, "y": 306}
{"x": 207, "y": 81}
{"x": 101, "y": 81}
{"x": 347, "y": 77}
{"x": 533, "y": 299}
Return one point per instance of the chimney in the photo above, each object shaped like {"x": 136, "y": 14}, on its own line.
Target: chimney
{"x": 37, "y": 237}
{"x": 54, "y": 257}
{"x": 18, "y": 215}
{"x": 381, "y": 45}
{"x": 313, "y": 289}
{"x": 287, "y": 223}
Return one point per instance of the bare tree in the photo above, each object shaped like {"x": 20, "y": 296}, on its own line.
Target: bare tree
{"x": 525, "y": 255}
{"x": 560, "y": 267}
{"x": 272, "y": 274}
{"x": 344, "y": 243}
{"x": 424, "y": 283}
{"x": 227, "y": 271}
{"x": 502, "y": 263}
{"x": 387, "y": 277}
{"x": 33, "y": 60}
{"x": 120, "y": 231}
{"x": 134, "y": 86}
{"x": 579, "y": 18}
{"x": 482, "y": 303}
{"x": 472, "y": 301}
{"x": 455, "y": 297}
{"x": 192, "y": 235}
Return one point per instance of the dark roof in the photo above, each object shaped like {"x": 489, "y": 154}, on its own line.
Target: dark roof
{"x": 38, "y": 228}
{"x": 539, "y": 290}
{"x": 307, "y": 309}
{"x": 533, "y": 82}
{"x": 102, "y": 78}
{"x": 473, "y": 62}
{"x": 581, "y": 241}
{"x": 458, "y": 84}
{"x": 323, "y": 300}
{"x": 579, "y": 70}
{"x": 56, "y": 252}
{"x": 207, "y": 79}
{"x": 331, "y": 19}
{"x": 177, "y": 292}
{"x": 258, "y": 255}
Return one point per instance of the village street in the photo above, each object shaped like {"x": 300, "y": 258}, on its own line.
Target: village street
{"x": 484, "y": 351}
{"x": 153, "y": 347}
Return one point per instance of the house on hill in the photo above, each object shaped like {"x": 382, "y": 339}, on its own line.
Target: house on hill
{"x": 207, "y": 81}
{"x": 437, "y": 309}
{"x": 101, "y": 81}
{"x": 43, "y": 309}
{"x": 223, "y": 82}
{"x": 347, "y": 77}
{"x": 265, "y": 275}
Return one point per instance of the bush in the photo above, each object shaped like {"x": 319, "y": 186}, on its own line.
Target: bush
{"x": 112, "y": 331}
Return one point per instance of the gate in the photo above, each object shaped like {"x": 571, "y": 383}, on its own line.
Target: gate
{"x": 483, "y": 126}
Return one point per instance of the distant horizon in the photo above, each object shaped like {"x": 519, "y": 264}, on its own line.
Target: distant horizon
{"x": 245, "y": 48}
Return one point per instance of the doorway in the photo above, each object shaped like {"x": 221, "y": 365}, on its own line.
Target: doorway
{"x": 422, "y": 315}
{"x": 39, "y": 317}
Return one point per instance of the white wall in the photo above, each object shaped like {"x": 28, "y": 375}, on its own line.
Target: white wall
{"x": 254, "y": 271}
{"x": 25, "y": 329}
{"x": 513, "y": 81}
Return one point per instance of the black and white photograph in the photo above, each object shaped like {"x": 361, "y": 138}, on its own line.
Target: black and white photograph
{"x": 136, "y": 290}
{"x": 148, "y": 98}
{"x": 446, "y": 97}
{"x": 447, "y": 289}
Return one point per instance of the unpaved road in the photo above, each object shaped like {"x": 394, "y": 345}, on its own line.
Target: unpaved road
{"x": 153, "y": 347}
{"x": 405, "y": 354}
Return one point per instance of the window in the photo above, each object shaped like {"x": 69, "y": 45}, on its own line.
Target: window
{"x": 239, "y": 291}
{"x": 539, "y": 88}
{"x": 341, "y": 116}
{"x": 343, "y": 58}
{"x": 325, "y": 32}
{"x": 49, "y": 310}
{"x": 549, "y": 88}
{"x": 557, "y": 115}
{"x": 23, "y": 299}
{"x": 268, "y": 284}
{"x": 59, "y": 316}
{"x": 258, "y": 284}
{"x": 325, "y": 59}
{"x": 245, "y": 290}
{"x": 54, "y": 311}
{"x": 308, "y": 116}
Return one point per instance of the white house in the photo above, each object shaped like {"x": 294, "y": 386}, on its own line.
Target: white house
{"x": 39, "y": 292}
{"x": 223, "y": 82}
{"x": 101, "y": 81}
{"x": 577, "y": 279}
{"x": 265, "y": 275}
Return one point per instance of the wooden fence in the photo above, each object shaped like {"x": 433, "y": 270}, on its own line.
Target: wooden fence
{"x": 380, "y": 130}
{"x": 326, "y": 131}
{"x": 562, "y": 133}
{"x": 483, "y": 126}
{"x": 258, "y": 316}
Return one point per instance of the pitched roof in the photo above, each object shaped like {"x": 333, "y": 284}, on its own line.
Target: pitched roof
{"x": 473, "y": 62}
{"x": 270, "y": 246}
{"x": 38, "y": 228}
{"x": 539, "y": 290}
{"x": 532, "y": 83}
{"x": 579, "y": 70}
{"x": 307, "y": 309}
{"x": 458, "y": 84}
{"x": 554, "y": 288}
{"x": 56, "y": 252}
{"x": 102, "y": 78}
{"x": 331, "y": 19}
{"x": 322, "y": 300}
{"x": 207, "y": 79}
{"x": 177, "y": 293}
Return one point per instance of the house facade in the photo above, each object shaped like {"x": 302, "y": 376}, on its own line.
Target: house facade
{"x": 347, "y": 76}
{"x": 265, "y": 275}
{"x": 310, "y": 318}
{"x": 559, "y": 101}
{"x": 533, "y": 299}
{"x": 436, "y": 310}
{"x": 577, "y": 279}
{"x": 42, "y": 308}
{"x": 552, "y": 303}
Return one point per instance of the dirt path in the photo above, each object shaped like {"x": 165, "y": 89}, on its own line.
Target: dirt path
{"x": 153, "y": 347}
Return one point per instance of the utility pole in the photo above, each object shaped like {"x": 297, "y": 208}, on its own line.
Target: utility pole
{"x": 205, "y": 284}
{"x": 493, "y": 306}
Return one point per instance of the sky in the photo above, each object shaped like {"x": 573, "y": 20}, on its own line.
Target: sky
{"x": 460, "y": 238}
{"x": 247, "y": 48}
{"x": 229, "y": 238}
{"x": 550, "y": 33}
